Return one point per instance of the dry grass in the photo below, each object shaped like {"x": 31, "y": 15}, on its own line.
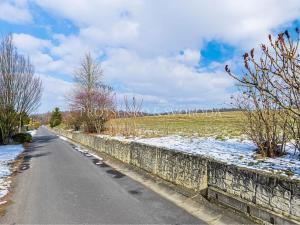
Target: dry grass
{"x": 219, "y": 125}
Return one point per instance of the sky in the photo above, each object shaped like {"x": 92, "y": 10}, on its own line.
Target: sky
{"x": 170, "y": 53}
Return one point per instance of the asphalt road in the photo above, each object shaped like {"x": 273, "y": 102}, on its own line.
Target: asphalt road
{"x": 60, "y": 185}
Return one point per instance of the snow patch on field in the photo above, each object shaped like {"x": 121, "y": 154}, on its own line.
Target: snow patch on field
{"x": 8, "y": 153}
{"x": 231, "y": 151}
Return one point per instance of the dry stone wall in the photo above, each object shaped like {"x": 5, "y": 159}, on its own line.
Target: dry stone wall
{"x": 277, "y": 193}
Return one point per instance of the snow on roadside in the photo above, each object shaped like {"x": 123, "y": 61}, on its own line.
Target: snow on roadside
{"x": 231, "y": 151}
{"x": 32, "y": 132}
{"x": 8, "y": 153}
{"x": 63, "y": 138}
{"x": 80, "y": 149}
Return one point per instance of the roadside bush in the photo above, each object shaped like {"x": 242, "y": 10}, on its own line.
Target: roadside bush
{"x": 270, "y": 94}
{"x": 21, "y": 138}
{"x": 56, "y": 118}
{"x": 36, "y": 125}
{"x": 33, "y": 125}
{"x": 72, "y": 120}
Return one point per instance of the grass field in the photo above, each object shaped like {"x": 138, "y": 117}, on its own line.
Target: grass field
{"x": 219, "y": 125}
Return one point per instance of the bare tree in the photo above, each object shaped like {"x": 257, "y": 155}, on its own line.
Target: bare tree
{"x": 274, "y": 78}
{"x": 91, "y": 96}
{"x": 132, "y": 110}
{"x": 20, "y": 89}
{"x": 265, "y": 124}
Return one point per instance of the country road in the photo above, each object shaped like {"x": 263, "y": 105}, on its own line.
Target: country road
{"x": 60, "y": 185}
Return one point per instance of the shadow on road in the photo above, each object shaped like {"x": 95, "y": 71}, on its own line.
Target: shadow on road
{"x": 116, "y": 174}
{"x": 32, "y": 150}
{"x": 135, "y": 192}
{"x": 43, "y": 139}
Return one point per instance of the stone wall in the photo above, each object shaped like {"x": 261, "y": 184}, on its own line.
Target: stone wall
{"x": 262, "y": 195}
{"x": 276, "y": 193}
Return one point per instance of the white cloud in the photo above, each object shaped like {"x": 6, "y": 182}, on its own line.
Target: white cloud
{"x": 38, "y": 50}
{"x": 26, "y": 42}
{"x": 173, "y": 82}
{"x": 141, "y": 41}
{"x": 55, "y": 93}
{"x": 189, "y": 57}
{"x": 122, "y": 32}
{"x": 100, "y": 13}
{"x": 15, "y": 11}
{"x": 172, "y": 25}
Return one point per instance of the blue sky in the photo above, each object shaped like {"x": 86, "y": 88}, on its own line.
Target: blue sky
{"x": 169, "y": 53}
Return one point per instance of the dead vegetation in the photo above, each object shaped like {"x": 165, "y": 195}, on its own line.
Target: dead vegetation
{"x": 270, "y": 94}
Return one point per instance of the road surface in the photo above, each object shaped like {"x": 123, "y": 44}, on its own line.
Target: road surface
{"x": 60, "y": 185}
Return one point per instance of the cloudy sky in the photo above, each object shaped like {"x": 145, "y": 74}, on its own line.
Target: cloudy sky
{"x": 170, "y": 53}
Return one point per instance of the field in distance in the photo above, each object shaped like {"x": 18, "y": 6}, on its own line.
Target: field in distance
{"x": 214, "y": 124}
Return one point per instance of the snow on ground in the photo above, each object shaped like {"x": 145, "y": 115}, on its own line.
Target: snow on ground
{"x": 86, "y": 152}
{"x": 231, "y": 151}
{"x": 7, "y": 154}
{"x": 32, "y": 132}
{"x": 82, "y": 150}
{"x": 63, "y": 138}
